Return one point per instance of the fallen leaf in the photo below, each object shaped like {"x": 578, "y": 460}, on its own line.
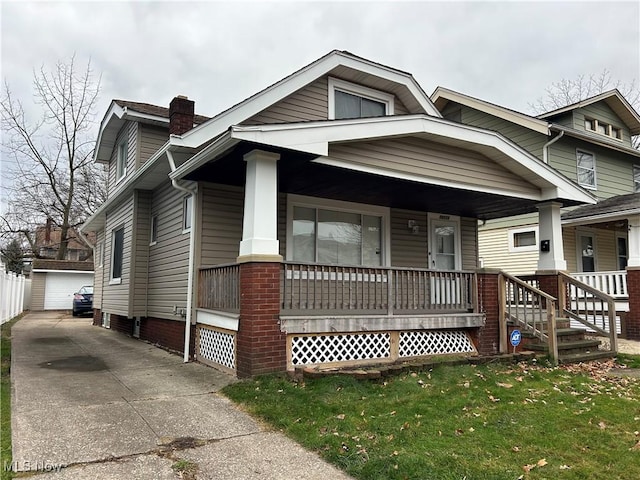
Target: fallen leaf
{"x": 564, "y": 467}
{"x": 528, "y": 468}
{"x": 542, "y": 462}
{"x": 636, "y": 446}
{"x": 505, "y": 385}
{"x": 602, "y": 425}
{"x": 515, "y": 449}
{"x": 493, "y": 399}
{"x": 459, "y": 431}
{"x": 395, "y": 453}
{"x": 341, "y": 416}
{"x": 405, "y": 426}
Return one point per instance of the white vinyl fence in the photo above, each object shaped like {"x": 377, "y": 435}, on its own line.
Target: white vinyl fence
{"x": 12, "y": 289}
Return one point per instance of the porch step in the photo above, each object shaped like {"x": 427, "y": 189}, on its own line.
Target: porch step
{"x": 569, "y": 348}
{"x": 562, "y": 334}
{"x": 585, "y": 357}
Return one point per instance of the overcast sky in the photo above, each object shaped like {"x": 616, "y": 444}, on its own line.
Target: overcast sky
{"x": 218, "y": 53}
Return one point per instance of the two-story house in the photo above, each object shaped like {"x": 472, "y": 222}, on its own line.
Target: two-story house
{"x": 588, "y": 142}
{"x": 331, "y": 217}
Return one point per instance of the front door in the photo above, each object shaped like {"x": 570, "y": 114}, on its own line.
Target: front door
{"x": 444, "y": 243}
{"x": 586, "y": 252}
{"x": 444, "y": 254}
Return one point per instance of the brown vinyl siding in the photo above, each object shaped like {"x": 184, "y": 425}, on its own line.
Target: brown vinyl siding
{"x": 115, "y": 298}
{"x": 129, "y": 132}
{"x": 408, "y": 249}
{"x": 151, "y": 139}
{"x": 169, "y": 257}
{"x": 431, "y": 160}
{"x": 524, "y": 137}
{"x": 221, "y": 233}
{"x": 37, "y": 291}
{"x": 307, "y": 104}
{"x": 140, "y": 254}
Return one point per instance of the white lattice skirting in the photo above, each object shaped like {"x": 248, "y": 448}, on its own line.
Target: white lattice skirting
{"x": 413, "y": 344}
{"x": 317, "y": 349}
{"x": 350, "y": 347}
{"x": 217, "y": 346}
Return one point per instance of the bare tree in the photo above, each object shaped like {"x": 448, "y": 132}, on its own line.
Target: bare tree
{"x": 567, "y": 91}
{"x": 52, "y": 175}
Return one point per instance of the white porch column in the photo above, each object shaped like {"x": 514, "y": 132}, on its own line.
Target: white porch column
{"x": 634, "y": 241}
{"x": 260, "y": 224}
{"x": 550, "y": 229}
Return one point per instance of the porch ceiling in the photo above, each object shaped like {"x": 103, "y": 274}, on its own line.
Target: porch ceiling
{"x": 299, "y": 175}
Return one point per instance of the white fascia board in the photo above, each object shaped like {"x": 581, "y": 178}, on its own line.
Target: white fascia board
{"x": 280, "y": 90}
{"x": 518, "y": 118}
{"x": 315, "y": 137}
{"x": 123, "y": 189}
{"x": 422, "y": 179}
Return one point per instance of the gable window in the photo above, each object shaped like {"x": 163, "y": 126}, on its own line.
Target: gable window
{"x": 154, "y": 230}
{"x": 348, "y": 100}
{"x": 636, "y": 178}
{"x": 121, "y": 161}
{"x": 187, "y": 206}
{"x": 117, "y": 255}
{"x": 523, "y": 239}
{"x": 586, "y": 166}
{"x": 337, "y": 234}
{"x": 602, "y": 128}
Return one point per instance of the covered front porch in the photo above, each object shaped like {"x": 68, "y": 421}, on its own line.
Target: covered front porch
{"x": 361, "y": 249}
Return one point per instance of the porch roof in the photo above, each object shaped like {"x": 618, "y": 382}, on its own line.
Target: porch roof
{"x": 614, "y": 208}
{"x": 306, "y": 146}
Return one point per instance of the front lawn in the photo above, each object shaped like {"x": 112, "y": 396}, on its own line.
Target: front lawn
{"x": 463, "y": 422}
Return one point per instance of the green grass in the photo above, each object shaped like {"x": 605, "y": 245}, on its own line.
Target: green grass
{"x": 5, "y": 397}
{"x": 486, "y": 422}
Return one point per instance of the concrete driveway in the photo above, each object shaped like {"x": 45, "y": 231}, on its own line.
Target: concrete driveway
{"x": 92, "y": 403}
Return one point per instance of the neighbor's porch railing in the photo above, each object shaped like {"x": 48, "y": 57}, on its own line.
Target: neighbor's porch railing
{"x": 613, "y": 284}
{"x": 340, "y": 290}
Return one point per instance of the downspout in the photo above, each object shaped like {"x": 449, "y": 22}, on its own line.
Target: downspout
{"x": 545, "y": 151}
{"x": 192, "y": 248}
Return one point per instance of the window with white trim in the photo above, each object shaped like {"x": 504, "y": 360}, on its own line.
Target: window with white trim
{"x": 121, "y": 161}
{"x": 117, "y": 254}
{"x": 349, "y": 100}
{"x": 636, "y": 178}
{"x": 187, "y": 206}
{"x": 336, "y": 233}
{"x": 586, "y": 168}
{"x": 523, "y": 239}
{"x": 153, "y": 237}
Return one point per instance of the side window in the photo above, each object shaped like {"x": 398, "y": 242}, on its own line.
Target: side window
{"x": 586, "y": 169}
{"x": 117, "y": 255}
{"x": 187, "y": 206}
{"x": 154, "y": 230}
{"x": 121, "y": 165}
{"x": 636, "y": 178}
{"x": 523, "y": 239}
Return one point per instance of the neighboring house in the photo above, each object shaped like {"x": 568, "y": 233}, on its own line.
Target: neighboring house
{"x": 589, "y": 143}
{"x": 47, "y": 243}
{"x": 331, "y": 217}
{"x": 53, "y": 282}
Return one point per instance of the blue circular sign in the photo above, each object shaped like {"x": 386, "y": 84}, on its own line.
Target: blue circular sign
{"x": 515, "y": 338}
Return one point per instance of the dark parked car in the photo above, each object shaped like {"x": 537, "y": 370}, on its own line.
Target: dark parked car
{"x": 83, "y": 300}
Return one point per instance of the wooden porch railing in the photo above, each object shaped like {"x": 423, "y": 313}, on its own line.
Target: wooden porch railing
{"x": 613, "y": 284}
{"x": 339, "y": 290}
{"x": 530, "y": 308}
{"x": 219, "y": 288}
{"x": 589, "y": 306}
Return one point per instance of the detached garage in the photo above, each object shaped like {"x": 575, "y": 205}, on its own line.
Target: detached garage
{"x": 53, "y": 283}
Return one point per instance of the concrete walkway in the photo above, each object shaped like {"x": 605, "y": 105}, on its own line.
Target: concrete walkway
{"x": 102, "y": 405}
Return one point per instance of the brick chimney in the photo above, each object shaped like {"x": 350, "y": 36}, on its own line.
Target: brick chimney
{"x": 181, "y": 111}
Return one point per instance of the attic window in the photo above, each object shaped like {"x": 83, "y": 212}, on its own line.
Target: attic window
{"x": 348, "y": 100}
{"x": 602, "y": 128}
